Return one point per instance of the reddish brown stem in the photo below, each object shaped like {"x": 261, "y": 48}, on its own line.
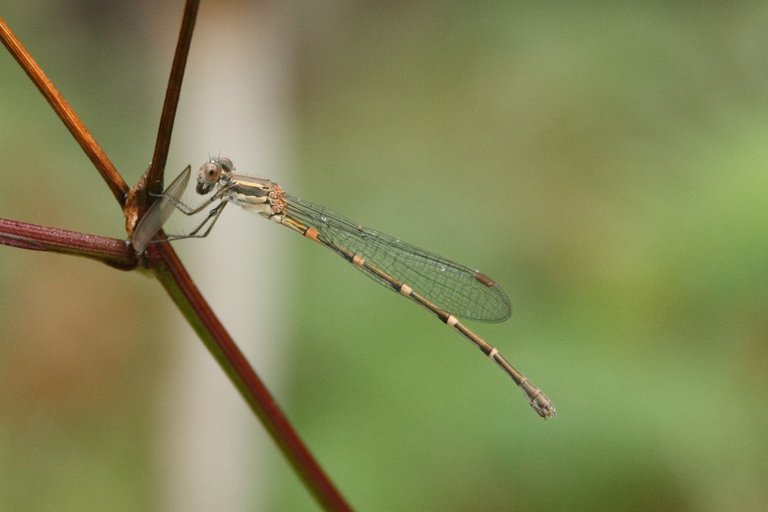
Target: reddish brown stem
{"x": 113, "y": 252}
{"x": 172, "y": 94}
{"x": 136, "y": 203}
{"x": 174, "y": 277}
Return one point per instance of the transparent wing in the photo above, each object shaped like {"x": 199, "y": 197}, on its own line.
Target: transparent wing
{"x": 456, "y": 289}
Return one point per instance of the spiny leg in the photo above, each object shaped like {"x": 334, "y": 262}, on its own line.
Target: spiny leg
{"x": 185, "y": 208}
{"x": 213, "y": 214}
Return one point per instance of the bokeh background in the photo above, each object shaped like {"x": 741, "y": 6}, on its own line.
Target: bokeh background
{"x": 607, "y": 164}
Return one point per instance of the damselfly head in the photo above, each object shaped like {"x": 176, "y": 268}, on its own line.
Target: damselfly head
{"x": 211, "y": 172}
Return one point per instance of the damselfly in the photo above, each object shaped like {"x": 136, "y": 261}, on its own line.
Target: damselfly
{"x": 445, "y": 288}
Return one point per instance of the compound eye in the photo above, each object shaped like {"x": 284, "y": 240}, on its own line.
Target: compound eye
{"x": 210, "y": 172}
{"x": 226, "y": 164}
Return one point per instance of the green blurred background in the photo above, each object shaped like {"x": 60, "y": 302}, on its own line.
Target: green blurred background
{"x": 607, "y": 165}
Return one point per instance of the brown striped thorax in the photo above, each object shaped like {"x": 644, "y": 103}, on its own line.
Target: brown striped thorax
{"x": 259, "y": 195}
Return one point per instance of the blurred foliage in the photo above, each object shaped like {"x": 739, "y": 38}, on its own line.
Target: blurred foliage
{"x": 605, "y": 163}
